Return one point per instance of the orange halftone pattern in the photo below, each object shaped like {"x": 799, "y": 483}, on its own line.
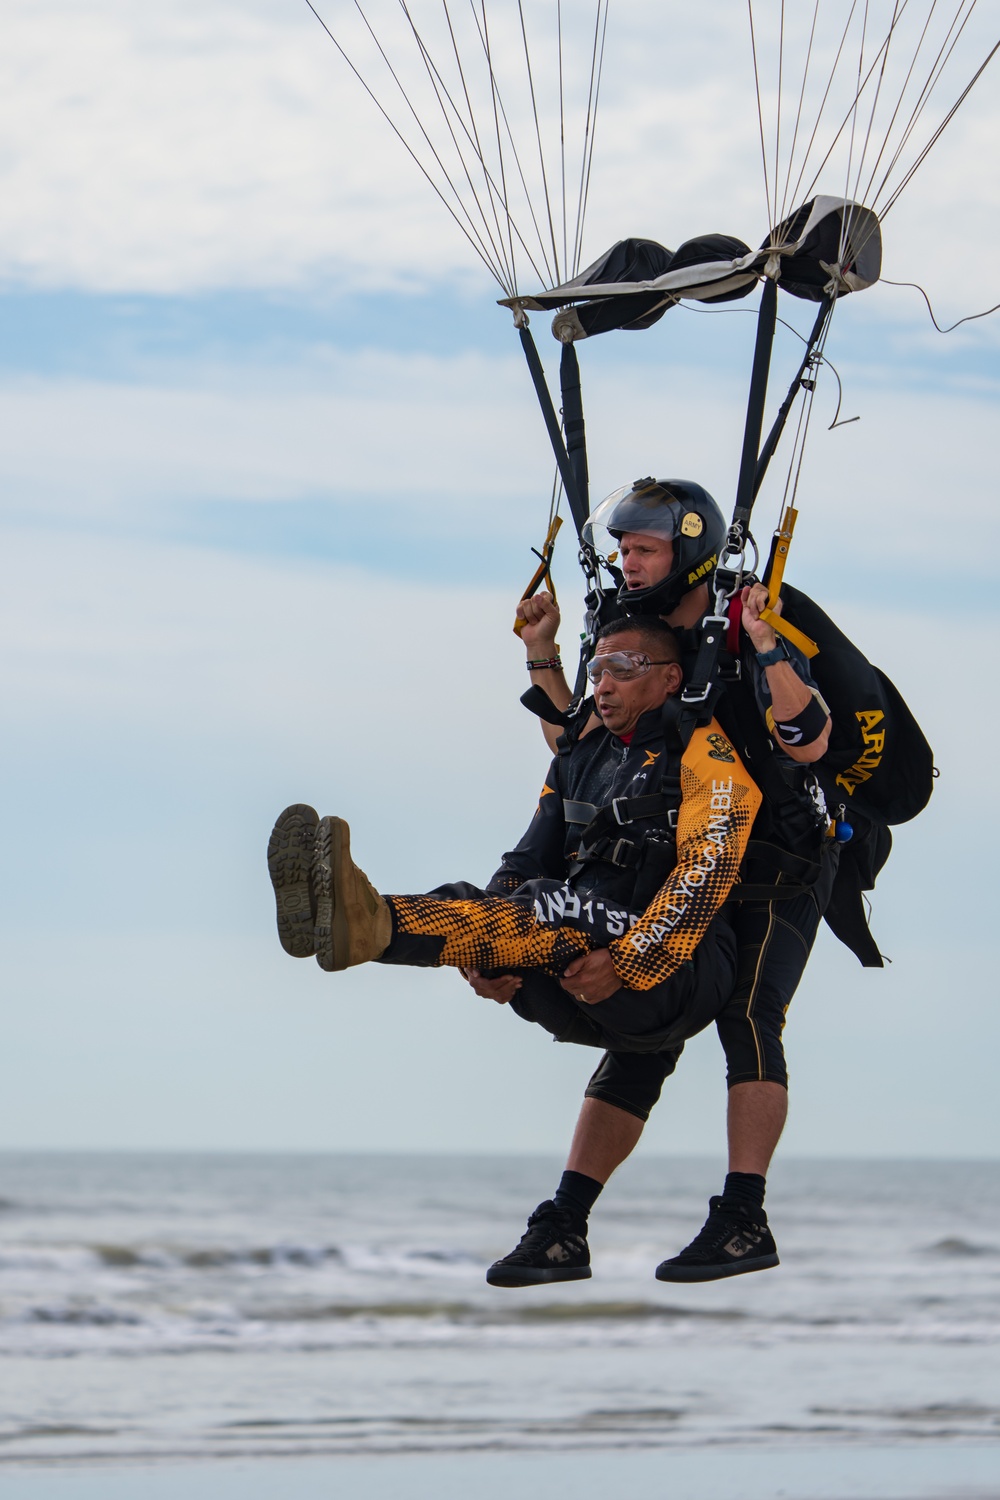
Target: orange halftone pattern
{"x": 490, "y": 933}
{"x": 719, "y": 804}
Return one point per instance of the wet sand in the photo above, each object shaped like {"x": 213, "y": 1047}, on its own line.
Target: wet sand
{"x": 926, "y": 1471}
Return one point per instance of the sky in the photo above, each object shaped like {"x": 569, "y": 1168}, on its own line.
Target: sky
{"x": 271, "y": 471}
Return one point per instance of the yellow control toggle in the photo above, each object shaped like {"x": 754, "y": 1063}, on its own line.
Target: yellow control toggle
{"x": 542, "y": 571}
{"x": 783, "y": 537}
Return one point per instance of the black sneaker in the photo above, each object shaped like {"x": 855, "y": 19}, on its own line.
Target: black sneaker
{"x": 553, "y": 1249}
{"x": 735, "y": 1238}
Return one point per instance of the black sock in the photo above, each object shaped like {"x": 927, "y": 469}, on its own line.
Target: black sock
{"x": 577, "y": 1193}
{"x": 746, "y": 1188}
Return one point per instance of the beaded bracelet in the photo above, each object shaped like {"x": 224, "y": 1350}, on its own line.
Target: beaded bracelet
{"x": 548, "y": 661}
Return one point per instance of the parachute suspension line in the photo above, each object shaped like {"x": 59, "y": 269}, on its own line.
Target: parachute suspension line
{"x": 937, "y": 66}
{"x": 877, "y": 69}
{"x": 555, "y": 499}
{"x": 941, "y": 128}
{"x": 798, "y": 114}
{"x": 500, "y": 113}
{"x": 899, "y": 102}
{"x": 468, "y": 229}
{"x": 538, "y": 137}
{"x": 805, "y": 416}
{"x": 772, "y": 215}
{"x": 484, "y": 37}
{"x": 562, "y": 137}
{"x": 496, "y": 266}
{"x": 777, "y": 121}
{"x": 854, "y": 110}
{"x": 590, "y": 129}
{"x": 440, "y": 89}
{"x": 798, "y": 194}
{"x": 478, "y": 148}
{"x": 809, "y": 358}
{"x": 852, "y": 195}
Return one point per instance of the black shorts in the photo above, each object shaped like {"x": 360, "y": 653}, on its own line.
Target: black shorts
{"x": 774, "y": 940}
{"x": 639, "y": 1022}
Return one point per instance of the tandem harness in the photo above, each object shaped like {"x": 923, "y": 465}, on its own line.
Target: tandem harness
{"x": 640, "y": 833}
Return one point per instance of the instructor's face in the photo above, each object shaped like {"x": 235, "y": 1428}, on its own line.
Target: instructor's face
{"x": 622, "y": 704}
{"x": 646, "y": 559}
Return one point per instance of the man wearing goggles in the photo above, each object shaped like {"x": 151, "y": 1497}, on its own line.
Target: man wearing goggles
{"x": 668, "y": 534}
{"x": 623, "y": 666}
{"x": 607, "y": 918}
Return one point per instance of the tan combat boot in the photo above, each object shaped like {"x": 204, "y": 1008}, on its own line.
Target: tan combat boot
{"x": 289, "y": 859}
{"x": 353, "y": 923}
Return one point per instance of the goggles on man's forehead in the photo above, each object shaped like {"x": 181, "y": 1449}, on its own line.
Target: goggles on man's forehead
{"x": 622, "y": 665}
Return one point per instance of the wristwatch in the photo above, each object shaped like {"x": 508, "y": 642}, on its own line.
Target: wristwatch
{"x": 778, "y": 652}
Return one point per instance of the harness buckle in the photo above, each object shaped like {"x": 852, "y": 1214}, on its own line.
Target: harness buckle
{"x": 619, "y": 853}
{"x": 621, "y": 818}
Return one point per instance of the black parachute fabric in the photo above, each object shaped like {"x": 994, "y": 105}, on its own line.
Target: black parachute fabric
{"x": 828, "y": 247}
{"x": 878, "y": 763}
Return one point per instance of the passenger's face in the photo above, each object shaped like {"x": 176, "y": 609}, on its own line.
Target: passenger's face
{"x": 645, "y": 559}
{"x": 622, "y": 704}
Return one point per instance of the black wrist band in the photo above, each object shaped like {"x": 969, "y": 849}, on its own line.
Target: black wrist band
{"x": 807, "y": 725}
{"x": 778, "y": 652}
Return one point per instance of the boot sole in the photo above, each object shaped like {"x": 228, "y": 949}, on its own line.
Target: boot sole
{"x": 289, "y": 863}
{"x": 528, "y": 1276}
{"x": 331, "y": 863}
{"x": 667, "y": 1272}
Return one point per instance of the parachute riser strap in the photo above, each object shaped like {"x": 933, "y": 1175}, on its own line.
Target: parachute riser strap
{"x": 577, "y": 502}
{"x": 574, "y": 426}
{"x": 745, "y": 486}
{"x": 809, "y": 361}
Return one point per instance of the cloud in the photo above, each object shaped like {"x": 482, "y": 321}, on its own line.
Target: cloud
{"x": 163, "y": 702}
{"x": 211, "y": 145}
{"x": 448, "y": 453}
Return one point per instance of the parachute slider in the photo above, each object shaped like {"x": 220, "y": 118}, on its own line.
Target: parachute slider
{"x": 775, "y": 571}
{"x": 541, "y": 573}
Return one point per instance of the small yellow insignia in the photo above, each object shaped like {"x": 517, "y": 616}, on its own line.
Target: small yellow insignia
{"x": 721, "y": 748}
{"x": 652, "y": 756}
{"x": 692, "y": 524}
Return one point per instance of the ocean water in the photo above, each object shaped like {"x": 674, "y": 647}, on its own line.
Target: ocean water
{"x": 164, "y": 1308}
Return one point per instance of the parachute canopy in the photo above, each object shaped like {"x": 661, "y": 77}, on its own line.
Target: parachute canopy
{"x": 828, "y": 247}
{"x": 497, "y": 103}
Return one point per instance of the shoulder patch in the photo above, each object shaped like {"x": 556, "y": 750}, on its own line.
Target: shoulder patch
{"x": 721, "y": 749}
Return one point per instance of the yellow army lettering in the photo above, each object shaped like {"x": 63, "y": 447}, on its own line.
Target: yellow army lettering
{"x": 870, "y": 761}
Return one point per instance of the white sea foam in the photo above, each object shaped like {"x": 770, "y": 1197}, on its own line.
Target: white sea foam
{"x": 205, "y": 1305}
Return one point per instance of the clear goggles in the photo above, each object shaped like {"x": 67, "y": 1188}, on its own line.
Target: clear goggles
{"x": 622, "y": 665}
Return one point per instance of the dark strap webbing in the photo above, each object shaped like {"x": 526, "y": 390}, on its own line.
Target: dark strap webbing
{"x": 574, "y": 426}
{"x": 567, "y": 473}
{"x": 746, "y": 484}
{"x": 621, "y": 812}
